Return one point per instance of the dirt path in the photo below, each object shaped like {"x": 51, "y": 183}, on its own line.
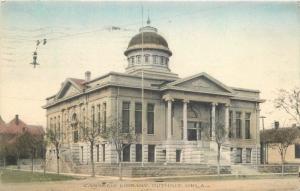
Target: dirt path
{"x": 97, "y": 184}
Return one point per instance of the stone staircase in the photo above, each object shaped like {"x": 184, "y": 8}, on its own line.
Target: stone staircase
{"x": 75, "y": 153}
{"x": 66, "y": 161}
{"x": 205, "y": 153}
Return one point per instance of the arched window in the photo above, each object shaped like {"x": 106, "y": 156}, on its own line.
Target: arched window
{"x": 74, "y": 124}
{"x": 147, "y": 58}
{"x": 154, "y": 59}
{"x": 138, "y": 59}
{"x": 161, "y": 60}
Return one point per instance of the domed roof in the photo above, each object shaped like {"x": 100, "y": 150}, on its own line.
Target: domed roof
{"x": 148, "y": 38}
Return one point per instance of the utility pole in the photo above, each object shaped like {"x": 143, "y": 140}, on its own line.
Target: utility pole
{"x": 263, "y": 141}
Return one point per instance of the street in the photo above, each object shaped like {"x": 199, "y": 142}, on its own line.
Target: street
{"x": 108, "y": 184}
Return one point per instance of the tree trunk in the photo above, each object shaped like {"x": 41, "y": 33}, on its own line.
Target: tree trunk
{"x": 18, "y": 160}
{"x": 44, "y": 170}
{"x": 282, "y": 163}
{"x": 4, "y": 161}
{"x": 44, "y": 161}
{"x": 120, "y": 166}
{"x": 32, "y": 155}
{"x": 219, "y": 156}
{"x": 57, "y": 160}
{"x": 92, "y": 159}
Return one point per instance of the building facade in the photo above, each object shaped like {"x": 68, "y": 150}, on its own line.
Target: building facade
{"x": 270, "y": 146}
{"x": 174, "y": 118}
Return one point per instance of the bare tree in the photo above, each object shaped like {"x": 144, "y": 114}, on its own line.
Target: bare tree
{"x": 54, "y": 138}
{"x": 281, "y": 139}
{"x": 91, "y": 132}
{"x": 120, "y": 137}
{"x": 219, "y": 139}
{"x": 289, "y": 101}
{"x": 220, "y": 135}
{"x": 44, "y": 143}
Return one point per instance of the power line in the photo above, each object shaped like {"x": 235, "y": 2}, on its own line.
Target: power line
{"x": 124, "y": 27}
{"x": 22, "y": 98}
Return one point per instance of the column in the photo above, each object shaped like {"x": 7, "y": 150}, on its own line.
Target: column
{"x": 169, "y": 127}
{"x": 185, "y": 102}
{"x": 257, "y": 133}
{"x": 213, "y": 120}
{"x": 169, "y": 118}
{"x": 227, "y": 119}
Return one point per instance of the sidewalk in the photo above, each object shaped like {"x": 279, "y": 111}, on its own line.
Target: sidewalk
{"x": 162, "y": 178}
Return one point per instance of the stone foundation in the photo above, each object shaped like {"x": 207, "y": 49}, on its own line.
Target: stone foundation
{"x": 129, "y": 170}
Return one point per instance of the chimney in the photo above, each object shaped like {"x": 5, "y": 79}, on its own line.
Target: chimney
{"x": 276, "y": 124}
{"x": 17, "y": 119}
{"x": 87, "y": 76}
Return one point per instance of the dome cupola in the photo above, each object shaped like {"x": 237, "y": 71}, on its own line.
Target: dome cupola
{"x": 148, "y": 51}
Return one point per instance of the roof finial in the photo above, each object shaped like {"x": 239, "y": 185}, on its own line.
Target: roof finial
{"x": 148, "y": 20}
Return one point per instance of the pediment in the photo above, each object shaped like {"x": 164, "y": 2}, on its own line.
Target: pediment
{"x": 201, "y": 82}
{"x": 68, "y": 89}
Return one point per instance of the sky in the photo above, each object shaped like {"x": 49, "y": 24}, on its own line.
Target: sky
{"x": 254, "y": 45}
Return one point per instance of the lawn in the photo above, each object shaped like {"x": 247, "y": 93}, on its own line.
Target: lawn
{"x": 227, "y": 177}
{"x": 15, "y": 176}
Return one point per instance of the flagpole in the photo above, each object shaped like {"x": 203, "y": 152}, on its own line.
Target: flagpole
{"x": 143, "y": 106}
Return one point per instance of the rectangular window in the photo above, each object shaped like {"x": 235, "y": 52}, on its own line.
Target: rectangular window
{"x": 104, "y": 117}
{"x": 125, "y": 117}
{"x": 164, "y": 155}
{"x": 210, "y": 124}
{"x": 138, "y": 153}
{"x": 230, "y": 133}
{"x": 239, "y": 155}
{"x": 248, "y": 155}
{"x": 138, "y": 59}
{"x": 238, "y": 122}
{"x": 99, "y": 117}
{"x": 178, "y": 155}
{"x": 151, "y": 153}
{"x": 81, "y": 154}
{"x": 126, "y": 153}
{"x": 97, "y": 153}
{"x": 83, "y": 118}
{"x": 138, "y": 118}
{"x": 247, "y": 125}
{"x": 55, "y": 130}
{"x": 150, "y": 118}
{"x": 194, "y": 131}
{"x": 172, "y": 117}
{"x": 51, "y": 124}
{"x": 161, "y": 60}
{"x": 103, "y": 152}
{"x": 297, "y": 151}
{"x": 93, "y": 116}
{"x": 58, "y": 127}
{"x": 146, "y": 58}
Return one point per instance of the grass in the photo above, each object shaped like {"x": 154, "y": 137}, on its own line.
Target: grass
{"x": 16, "y": 176}
{"x": 229, "y": 177}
